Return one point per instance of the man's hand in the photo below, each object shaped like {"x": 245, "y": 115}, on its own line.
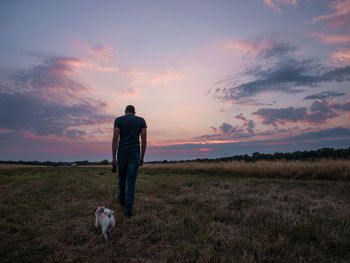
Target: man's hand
{"x": 114, "y": 165}
{"x": 115, "y": 142}
{"x": 143, "y": 144}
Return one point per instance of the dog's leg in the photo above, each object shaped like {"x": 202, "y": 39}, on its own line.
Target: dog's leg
{"x": 96, "y": 223}
{"x": 105, "y": 231}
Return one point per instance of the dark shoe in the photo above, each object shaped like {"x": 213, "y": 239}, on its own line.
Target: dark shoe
{"x": 122, "y": 203}
{"x": 128, "y": 214}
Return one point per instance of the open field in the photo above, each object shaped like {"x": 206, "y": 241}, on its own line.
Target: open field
{"x": 185, "y": 213}
{"x": 16, "y": 166}
{"x": 320, "y": 169}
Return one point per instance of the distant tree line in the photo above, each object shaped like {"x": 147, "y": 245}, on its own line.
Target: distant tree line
{"x": 324, "y": 153}
{"x": 48, "y": 163}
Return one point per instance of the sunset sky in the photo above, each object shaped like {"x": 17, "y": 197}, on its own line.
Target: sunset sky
{"x": 211, "y": 78}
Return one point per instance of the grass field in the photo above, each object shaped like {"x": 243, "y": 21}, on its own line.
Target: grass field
{"x": 183, "y": 213}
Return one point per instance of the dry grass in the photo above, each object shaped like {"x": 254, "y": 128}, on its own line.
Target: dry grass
{"x": 320, "y": 169}
{"x": 16, "y": 166}
{"x": 47, "y": 215}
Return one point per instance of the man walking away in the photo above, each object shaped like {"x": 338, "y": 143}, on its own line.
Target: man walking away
{"x": 127, "y": 130}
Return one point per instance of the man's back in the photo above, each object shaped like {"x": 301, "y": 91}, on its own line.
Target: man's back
{"x": 130, "y": 128}
{"x": 127, "y": 130}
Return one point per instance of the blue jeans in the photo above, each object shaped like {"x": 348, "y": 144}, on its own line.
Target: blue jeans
{"x": 128, "y": 165}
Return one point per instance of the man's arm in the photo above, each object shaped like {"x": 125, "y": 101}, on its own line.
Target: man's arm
{"x": 143, "y": 144}
{"x": 115, "y": 142}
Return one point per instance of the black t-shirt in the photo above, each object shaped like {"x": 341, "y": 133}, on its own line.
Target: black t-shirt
{"x": 130, "y": 128}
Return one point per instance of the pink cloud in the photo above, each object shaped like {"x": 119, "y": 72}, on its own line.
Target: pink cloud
{"x": 166, "y": 76}
{"x": 190, "y": 151}
{"x": 143, "y": 76}
{"x": 274, "y": 4}
{"x": 266, "y": 47}
{"x": 339, "y": 16}
{"x": 51, "y": 80}
{"x": 342, "y": 56}
{"x": 127, "y": 93}
{"x": 332, "y": 39}
{"x": 269, "y": 3}
{"x": 247, "y": 46}
{"x": 206, "y": 149}
{"x": 104, "y": 53}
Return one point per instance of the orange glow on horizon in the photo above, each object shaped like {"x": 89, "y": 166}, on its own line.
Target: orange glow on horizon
{"x": 160, "y": 144}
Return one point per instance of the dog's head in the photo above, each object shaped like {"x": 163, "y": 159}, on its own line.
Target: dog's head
{"x": 109, "y": 212}
{"x": 99, "y": 210}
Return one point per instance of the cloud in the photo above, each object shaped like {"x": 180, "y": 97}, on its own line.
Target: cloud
{"x": 214, "y": 129}
{"x": 227, "y": 128}
{"x": 269, "y": 3}
{"x": 45, "y": 100}
{"x": 340, "y": 15}
{"x": 74, "y": 134}
{"x": 343, "y": 107}
{"x": 248, "y": 124}
{"x": 333, "y": 39}
{"x": 273, "y": 116}
{"x": 36, "y": 115}
{"x": 324, "y": 95}
{"x": 152, "y": 78}
{"x": 322, "y": 134}
{"x": 320, "y": 112}
{"x": 274, "y": 4}
{"x": 227, "y": 131}
{"x": 240, "y": 117}
{"x": 51, "y": 80}
{"x": 224, "y": 132}
{"x": 341, "y": 56}
{"x": 127, "y": 93}
{"x": 265, "y": 48}
{"x": 287, "y": 75}
{"x": 284, "y": 76}
{"x": 101, "y": 52}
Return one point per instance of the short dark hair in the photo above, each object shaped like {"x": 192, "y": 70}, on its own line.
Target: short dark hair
{"x": 130, "y": 109}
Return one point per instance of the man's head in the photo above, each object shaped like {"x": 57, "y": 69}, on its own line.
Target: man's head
{"x": 130, "y": 109}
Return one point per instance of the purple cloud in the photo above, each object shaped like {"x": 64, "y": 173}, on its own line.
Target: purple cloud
{"x": 248, "y": 124}
{"x": 273, "y": 116}
{"x": 227, "y": 128}
{"x": 43, "y": 118}
{"x": 275, "y": 69}
{"x": 324, "y": 95}
{"x": 45, "y": 100}
{"x": 75, "y": 134}
{"x": 229, "y": 132}
{"x": 320, "y": 112}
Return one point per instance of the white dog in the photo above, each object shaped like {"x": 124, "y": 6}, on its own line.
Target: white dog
{"x": 104, "y": 218}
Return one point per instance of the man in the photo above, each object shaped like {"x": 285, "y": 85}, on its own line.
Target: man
{"x": 127, "y": 130}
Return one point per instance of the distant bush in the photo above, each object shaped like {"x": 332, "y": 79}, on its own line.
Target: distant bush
{"x": 104, "y": 162}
